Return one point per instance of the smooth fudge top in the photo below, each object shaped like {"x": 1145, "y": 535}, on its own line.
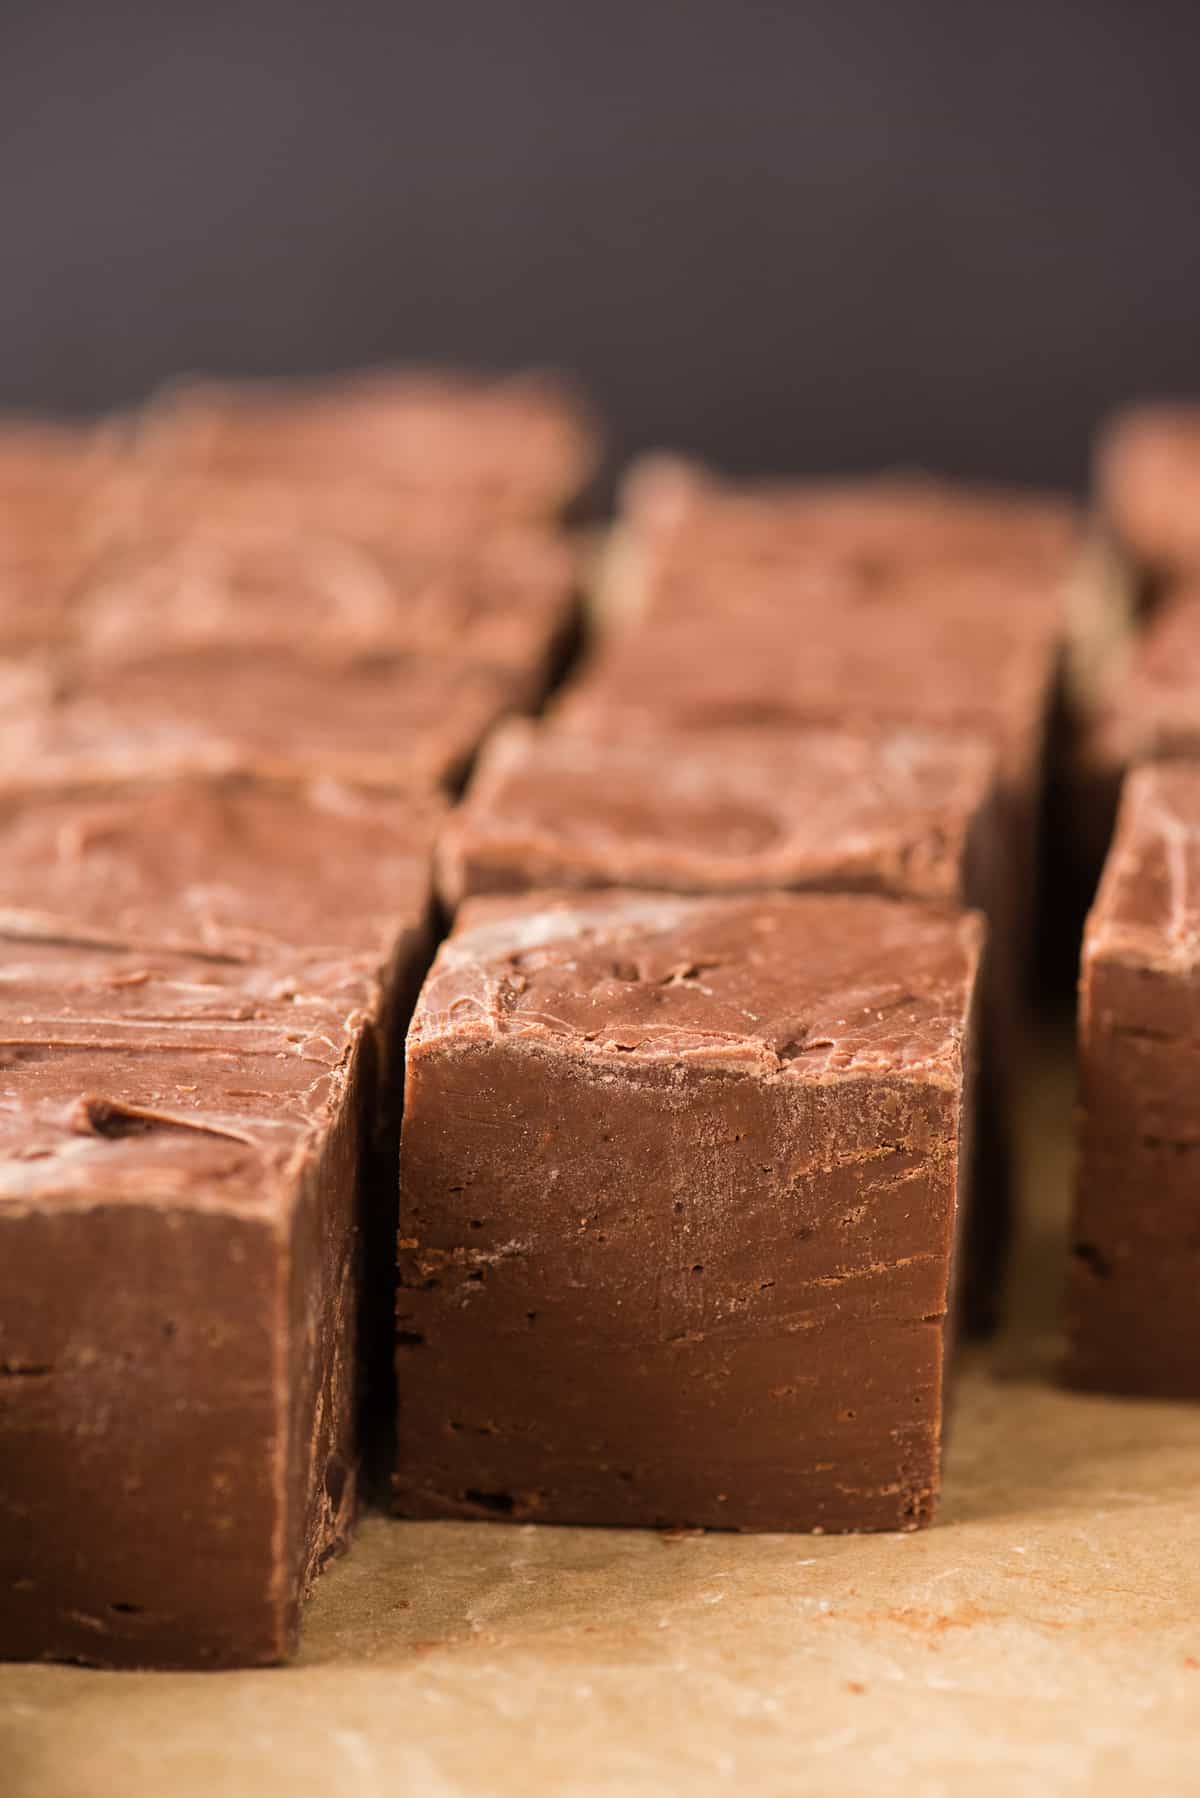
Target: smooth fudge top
{"x": 521, "y": 445}
{"x": 807, "y": 987}
{"x": 498, "y": 601}
{"x": 1147, "y": 910}
{"x": 1148, "y": 484}
{"x": 152, "y": 1079}
{"x": 889, "y": 810}
{"x": 402, "y": 721}
{"x": 943, "y": 667}
{"x": 693, "y": 516}
{"x": 235, "y": 869}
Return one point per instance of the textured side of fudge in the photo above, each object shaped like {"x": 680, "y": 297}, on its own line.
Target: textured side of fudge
{"x": 179, "y": 1153}
{"x": 507, "y": 601}
{"x": 681, "y": 1182}
{"x": 519, "y": 445}
{"x": 1147, "y": 479}
{"x": 386, "y": 721}
{"x": 1136, "y": 1244}
{"x": 206, "y": 984}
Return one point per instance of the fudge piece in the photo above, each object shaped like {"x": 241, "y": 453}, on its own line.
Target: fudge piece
{"x": 229, "y": 868}
{"x": 878, "y": 809}
{"x": 1147, "y": 479}
{"x": 179, "y": 1146}
{"x": 1136, "y": 1252}
{"x": 518, "y": 445}
{"x": 507, "y": 602}
{"x": 772, "y": 595}
{"x": 688, "y": 517}
{"x": 205, "y": 986}
{"x": 385, "y": 721}
{"x": 164, "y": 504}
{"x": 681, "y": 1181}
{"x": 941, "y": 665}
{"x": 1152, "y": 711}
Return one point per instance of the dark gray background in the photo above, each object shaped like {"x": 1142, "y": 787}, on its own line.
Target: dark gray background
{"x": 784, "y": 234}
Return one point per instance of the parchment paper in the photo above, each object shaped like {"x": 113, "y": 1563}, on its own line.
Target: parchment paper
{"x": 1042, "y": 1639}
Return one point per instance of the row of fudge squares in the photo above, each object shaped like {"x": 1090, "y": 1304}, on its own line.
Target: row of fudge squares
{"x": 698, "y": 1191}
{"x": 139, "y": 543}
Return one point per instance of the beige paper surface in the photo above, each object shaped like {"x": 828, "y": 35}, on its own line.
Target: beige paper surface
{"x": 1043, "y": 1639}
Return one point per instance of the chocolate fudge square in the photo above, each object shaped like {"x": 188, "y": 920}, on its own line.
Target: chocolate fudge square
{"x": 230, "y": 868}
{"x": 802, "y": 595}
{"x": 911, "y": 813}
{"x": 384, "y": 721}
{"x": 180, "y": 1144}
{"x": 939, "y": 666}
{"x": 1135, "y": 1258}
{"x": 687, "y": 516}
{"x": 204, "y": 987}
{"x": 882, "y": 809}
{"x": 1152, "y": 712}
{"x": 681, "y": 1185}
{"x": 522, "y": 445}
{"x": 507, "y": 602}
